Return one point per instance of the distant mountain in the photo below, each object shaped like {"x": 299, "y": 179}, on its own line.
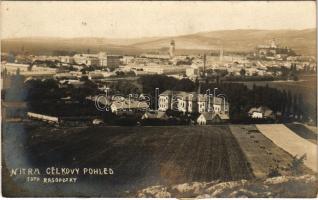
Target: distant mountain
{"x": 302, "y": 41}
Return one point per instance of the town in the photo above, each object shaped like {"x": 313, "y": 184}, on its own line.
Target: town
{"x": 202, "y": 95}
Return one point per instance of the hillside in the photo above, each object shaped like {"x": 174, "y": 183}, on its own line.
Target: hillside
{"x": 302, "y": 41}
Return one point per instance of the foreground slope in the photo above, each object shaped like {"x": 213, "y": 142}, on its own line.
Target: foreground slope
{"x": 262, "y": 154}
{"x": 292, "y": 143}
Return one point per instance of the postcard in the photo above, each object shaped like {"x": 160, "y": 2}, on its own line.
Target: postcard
{"x": 159, "y": 99}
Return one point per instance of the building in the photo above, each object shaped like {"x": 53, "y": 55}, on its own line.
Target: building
{"x": 46, "y": 118}
{"x": 102, "y": 57}
{"x": 100, "y": 60}
{"x": 86, "y": 59}
{"x": 208, "y": 118}
{"x": 192, "y": 72}
{"x": 261, "y": 112}
{"x": 12, "y": 68}
{"x": 192, "y": 102}
{"x": 273, "y": 52}
{"x": 128, "y": 106}
{"x": 99, "y": 74}
{"x": 27, "y": 70}
{"x": 160, "y": 69}
{"x": 66, "y": 60}
{"x": 127, "y": 60}
{"x": 113, "y": 61}
{"x": 157, "y": 115}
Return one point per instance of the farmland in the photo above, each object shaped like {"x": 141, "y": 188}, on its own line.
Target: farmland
{"x": 140, "y": 156}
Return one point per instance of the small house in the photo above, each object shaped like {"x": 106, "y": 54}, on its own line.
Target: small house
{"x": 207, "y": 118}
{"x": 128, "y": 106}
{"x": 261, "y": 112}
{"x": 155, "y": 115}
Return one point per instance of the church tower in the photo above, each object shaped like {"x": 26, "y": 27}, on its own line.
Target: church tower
{"x": 172, "y": 49}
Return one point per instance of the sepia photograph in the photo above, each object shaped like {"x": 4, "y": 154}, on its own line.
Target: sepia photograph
{"x": 159, "y": 99}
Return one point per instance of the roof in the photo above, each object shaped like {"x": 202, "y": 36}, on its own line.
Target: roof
{"x": 162, "y": 115}
{"x": 132, "y": 104}
{"x": 175, "y": 93}
{"x": 208, "y": 115}
{"x": 150, "y": 115}
{"x": 224, "y": 116}
{"x": 166, "y": 93}
{"x": 194, "y": 96}
{"x": 218, "y": 100}
{"x": 155, "y": 115}
{"x": 16, "y": 65}
{"x": 189, "y": 95}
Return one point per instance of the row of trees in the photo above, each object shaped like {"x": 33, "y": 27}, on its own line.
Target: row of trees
{"x": 285, "y": 104}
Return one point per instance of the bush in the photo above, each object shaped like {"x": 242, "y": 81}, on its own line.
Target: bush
{"x": 295, "y": 166}
{"x": 273, "y": 172}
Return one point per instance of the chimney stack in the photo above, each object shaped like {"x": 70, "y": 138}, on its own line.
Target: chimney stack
{"x": 204, "y": 64}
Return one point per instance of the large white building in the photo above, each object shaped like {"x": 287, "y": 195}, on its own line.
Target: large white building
{"x": 192, "y": 102}
{"x": 100, "y": 60}
{"x": 86, "y": 59}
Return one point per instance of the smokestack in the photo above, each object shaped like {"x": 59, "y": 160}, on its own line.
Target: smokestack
{"x": 204, "y": 63}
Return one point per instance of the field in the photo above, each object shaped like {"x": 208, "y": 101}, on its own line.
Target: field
{"x": 139, "y": 156}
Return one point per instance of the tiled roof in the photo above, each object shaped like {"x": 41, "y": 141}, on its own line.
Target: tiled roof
{"x": 209, "y": 115}
{"x": 132, "y": 104}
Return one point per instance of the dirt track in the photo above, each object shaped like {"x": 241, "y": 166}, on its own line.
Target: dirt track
{"x": 291, "y": 142}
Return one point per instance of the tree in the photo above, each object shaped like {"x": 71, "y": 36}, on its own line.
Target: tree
{"x": 289, "y": 103}
{"x": 242, "y": 72}
{"x": 300, "y": 106}
{"x": 295, "y": 105}
{"x": 18, "y": 71}
{"x": 185, "y": 85}
{"x": 273, "y": 172}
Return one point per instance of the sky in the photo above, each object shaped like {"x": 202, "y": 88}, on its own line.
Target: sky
{"x": 148, "y": 19}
